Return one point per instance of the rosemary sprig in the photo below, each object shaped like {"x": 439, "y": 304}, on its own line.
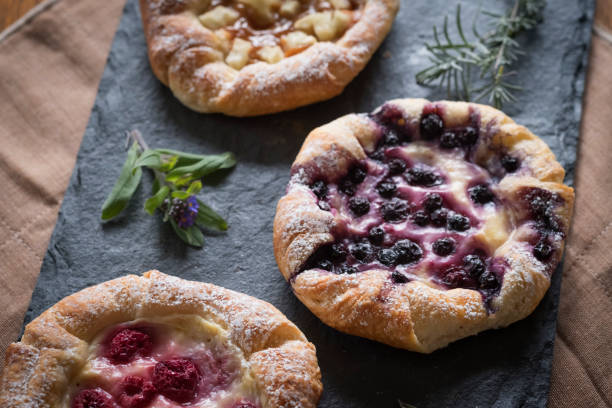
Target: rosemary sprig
{"x": 177, "y": 181}
{"x": 457, "y": 63}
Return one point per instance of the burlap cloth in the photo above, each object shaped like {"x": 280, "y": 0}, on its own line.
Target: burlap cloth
{"x": 49, "y": 71}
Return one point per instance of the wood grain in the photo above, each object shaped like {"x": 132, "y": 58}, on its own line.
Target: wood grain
{"x": 12, "y": 10}
{"x": 603, "y": 15}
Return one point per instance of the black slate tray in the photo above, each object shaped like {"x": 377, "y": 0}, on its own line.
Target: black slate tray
{"x": 501, "y": 368}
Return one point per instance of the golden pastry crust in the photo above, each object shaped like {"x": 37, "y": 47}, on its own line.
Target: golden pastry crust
{"x": 54, "y": 346}
{"x": 415, "y": 315}
{"x": 194, "y": 60}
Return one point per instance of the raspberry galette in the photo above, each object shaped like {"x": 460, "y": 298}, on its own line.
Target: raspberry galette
{"x": 160, "y": 341}
{"x": 252, "y": 57}
{"x": 422, "y": 223}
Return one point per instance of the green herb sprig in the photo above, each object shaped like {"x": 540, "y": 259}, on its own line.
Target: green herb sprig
{"x": 457, "y": 63}
{"x": 177, "y": 181}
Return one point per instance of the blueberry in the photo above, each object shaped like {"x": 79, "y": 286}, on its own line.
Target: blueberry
{"x": 417, "y": 176}
{"x": 458, "y": 222}
{"x": 395, "y": 210}
{"x": 325, "y": 264}
{"x": 386, "y": 188}
{"x": 362, "y": 251}
{"x": 488, "y": 280}
{"x": 543, "y": 250}
{"x": 469, "y": 136}
{"x": 420, "y": 218}
{"x": 378, "y": 155}
{"x": 449, "y": 140}
{"x": 359, "y": 205}
{"x": 337, "y": 253}
{"x": 376, "y": 235}
{"x": 319, "y": 188}
{"x": 457, "y": 278}
{"x": 348, "y": 187}
{"x": 387, "y": 256}
{"x": 432, "y": 202}
{"x": 398, "y": 277}
{"x": 346, "y": 269}
{"x": 396, "y": 166}
{"x": 357, "y": 174}
{"x": 431, "y": 126}
{"x": 443, "y": 246}
{"x": 481, "y": 194}
{"x": 510, "y": 163}
{"x": 324, "y": 206}
{"x": 407, "y": 251}
{"x": 538, "y": 206}
{"x": 391, "y": 138}
{"x": 474, "y": 265}
{"x": 438, "y": 218}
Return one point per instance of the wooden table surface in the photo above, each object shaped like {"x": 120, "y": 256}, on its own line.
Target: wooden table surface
{"x": 12, "y": 10}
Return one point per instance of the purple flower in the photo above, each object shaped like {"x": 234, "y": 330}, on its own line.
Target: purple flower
{"x": 184, "y": 212}
{"x": 189, "y": 212}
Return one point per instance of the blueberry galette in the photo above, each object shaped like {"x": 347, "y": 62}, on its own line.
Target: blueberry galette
{"x": 422, "y": 223}
{"x": 160, "y": 341}
{"x": 252, "y": 57}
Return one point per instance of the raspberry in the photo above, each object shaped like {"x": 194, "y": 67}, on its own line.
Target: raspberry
{"x": 127, "y": 344}
{"x": 93, "y": 398}
{"x": 136, "y": 392}
{"x": 177, "y": 379}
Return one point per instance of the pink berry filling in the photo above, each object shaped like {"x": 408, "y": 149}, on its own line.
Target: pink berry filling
{"x": 139, "y": 366}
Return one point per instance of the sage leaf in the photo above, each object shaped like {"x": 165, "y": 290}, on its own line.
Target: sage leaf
{"x": 183, "y": 158}
{"x": 208, "y": 218}
{"x": 168, "y": 163}
{"x": 201, "y": 168}
{"x": 195, "y": 187}
{"x": 149, "y": 158}
{"x": 156, "y": 185}
{"x": 124, "y": 188}
{"x": 192, "y": 235}
{"x": 180, "y": 194}
{"x": 154, "y": 202}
